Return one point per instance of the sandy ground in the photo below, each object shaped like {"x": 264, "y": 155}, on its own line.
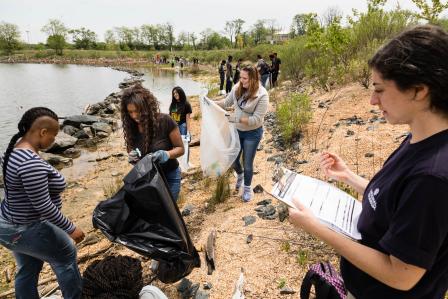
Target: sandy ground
{"x": 279, "y": 255}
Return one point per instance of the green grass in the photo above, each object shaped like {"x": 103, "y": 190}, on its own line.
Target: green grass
{"x": 302, "y": 257}
{"x": 281, "y": 283}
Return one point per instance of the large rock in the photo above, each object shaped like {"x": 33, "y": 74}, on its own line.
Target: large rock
{"x": 62, "y": 142}
{"x": 101, "y": 127}
{"x": 77, "y": 120}
{"x": 56, "y": 160}
{"x": 72, "y": 152}
{"x": 93, "y": 109}
{"x": 82, "y": 134}
{"x": 70, "y": 130}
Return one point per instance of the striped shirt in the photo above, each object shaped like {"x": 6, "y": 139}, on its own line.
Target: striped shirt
{"x": 33, "y": 191}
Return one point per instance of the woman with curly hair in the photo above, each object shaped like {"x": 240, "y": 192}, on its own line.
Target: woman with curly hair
{"x": 148, "y": 131}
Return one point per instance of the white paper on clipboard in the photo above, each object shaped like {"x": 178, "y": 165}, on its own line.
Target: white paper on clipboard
{"x": 332, "y": 206}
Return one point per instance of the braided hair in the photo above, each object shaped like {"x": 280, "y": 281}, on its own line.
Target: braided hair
{"x": 148, "y": 107}
{"x": 114, "y": 277}
{"x": 25, "y": 123}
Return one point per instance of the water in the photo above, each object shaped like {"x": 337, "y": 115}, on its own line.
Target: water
{"x": 67, "y": 89}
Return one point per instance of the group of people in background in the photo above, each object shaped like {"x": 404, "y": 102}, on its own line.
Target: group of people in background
{"x": 403, "y": 252}
{"x": 228, "y": 75}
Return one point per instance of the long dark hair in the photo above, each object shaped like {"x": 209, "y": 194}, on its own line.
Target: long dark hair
{"x": 148, "y": 107}
{"x": 25, "y": 123}
{"x": 182, "y": 96}
{"x": 417, "y": 56}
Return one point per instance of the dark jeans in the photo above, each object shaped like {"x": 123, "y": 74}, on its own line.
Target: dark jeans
{"x": 34, "y": 244}
{"x": 173, "y": 178}
{"x": 228, "y": 85}
{"x": 249, "y": 141}
{"x": 221, "y": 81}
{"x": 274, "y": 78}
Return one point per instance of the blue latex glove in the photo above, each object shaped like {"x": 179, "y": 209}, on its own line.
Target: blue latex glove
{"x": 134, "y": 156}
{"x": 161, "y": 156}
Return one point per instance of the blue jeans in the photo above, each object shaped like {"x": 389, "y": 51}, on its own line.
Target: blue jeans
{"x": 263, "y": 79}
{"x": 183, "y": 129}
{"x": 34, "y": 244}
{"x": 173, "y": 177}
{"x": 249, "y": 141}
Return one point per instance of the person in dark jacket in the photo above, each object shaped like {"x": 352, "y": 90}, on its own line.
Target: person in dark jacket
{"x": 222, "y": 75}
{"x": 229, "y": 74}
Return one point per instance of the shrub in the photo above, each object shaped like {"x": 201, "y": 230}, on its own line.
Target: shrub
{"x": 222, "y": 190}
{"x": 292, "y": 114}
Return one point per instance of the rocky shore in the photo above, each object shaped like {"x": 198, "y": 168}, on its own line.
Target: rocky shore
{"x": 97, "y": 122}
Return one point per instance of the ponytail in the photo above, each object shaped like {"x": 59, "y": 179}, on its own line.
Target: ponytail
{"x": 11, "y": 144}
{"x": 28, "y": 118}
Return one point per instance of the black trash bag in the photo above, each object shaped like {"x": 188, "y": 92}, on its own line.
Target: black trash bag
{"x": 144, "y": 217}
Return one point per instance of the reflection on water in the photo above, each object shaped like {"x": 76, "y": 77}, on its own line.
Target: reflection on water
{"x": 67, "y": 89}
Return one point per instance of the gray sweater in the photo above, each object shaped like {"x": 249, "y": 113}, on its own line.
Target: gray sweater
{"x": 254, "y": 109}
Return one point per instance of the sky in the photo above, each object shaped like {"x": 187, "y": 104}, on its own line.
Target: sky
{"x": 184, "y": 15}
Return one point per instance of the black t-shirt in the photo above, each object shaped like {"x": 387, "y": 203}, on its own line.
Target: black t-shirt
{"x": 405, "y": 214}
{"x": 162, "y": 141}
{"x": 179, "y": 111}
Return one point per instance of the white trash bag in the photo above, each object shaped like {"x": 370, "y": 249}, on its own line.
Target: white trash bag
{"x": 220, "y": 143}
{"x": 184, "y": 159}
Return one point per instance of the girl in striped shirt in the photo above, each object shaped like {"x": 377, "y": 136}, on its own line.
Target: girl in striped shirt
{"x": 31, "y": 223}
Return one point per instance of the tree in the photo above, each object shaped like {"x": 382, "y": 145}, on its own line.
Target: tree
{"x": 429, "y": 12}
{"x": 213, "y": 40}
{"x": 238, "y": 30}
{"x": 331, "y": 15}
{"x": 83, "y": 38}
{"x": 183, "y": 39}
{"x": 272, "y": 27}
{"x": 125, "y": 37}
{"x": 259, "y": 32}
{"x": 230, "y": 30}
{"x": 298, "y": 25}
{"x": 169, "y": 35}
{"x": 193, "y": 40}
{"x": 57, "y": 33}
{"x": 9, "y": 37}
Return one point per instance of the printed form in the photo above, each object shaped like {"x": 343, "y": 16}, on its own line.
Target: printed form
{"x": 332, "y": 206}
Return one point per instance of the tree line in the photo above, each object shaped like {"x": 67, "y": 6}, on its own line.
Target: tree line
{"x": 145, "y": 37}
{"x": 162, "y": 37}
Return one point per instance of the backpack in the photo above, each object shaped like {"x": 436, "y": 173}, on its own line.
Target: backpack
{"x": 327, "y": 282}
{"x": 264, "y": 68}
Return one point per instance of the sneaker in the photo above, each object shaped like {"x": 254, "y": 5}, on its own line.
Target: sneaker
{"x": 239, "y": 181}
{"x": 247, "y": 194}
